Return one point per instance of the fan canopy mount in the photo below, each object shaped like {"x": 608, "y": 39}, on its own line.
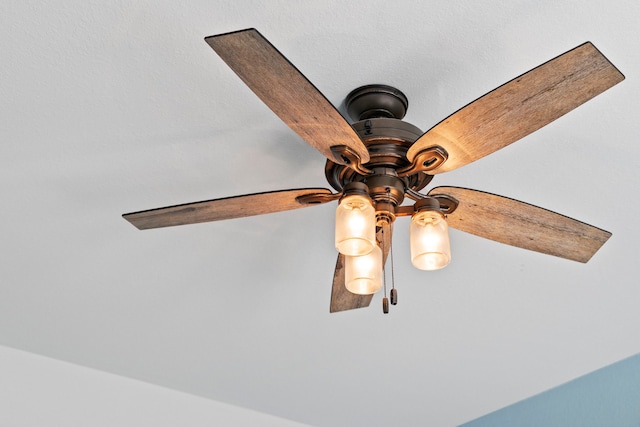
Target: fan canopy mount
{"x": 375, "y": 101}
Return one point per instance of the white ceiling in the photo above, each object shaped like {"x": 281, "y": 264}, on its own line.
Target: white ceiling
{"x": 113, "y": 107}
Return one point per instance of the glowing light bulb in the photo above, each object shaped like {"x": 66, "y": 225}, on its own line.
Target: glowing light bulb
{"x": 429, "y": 237}
{"x": 355, "y": 222}
{"x": 363, "y": 274}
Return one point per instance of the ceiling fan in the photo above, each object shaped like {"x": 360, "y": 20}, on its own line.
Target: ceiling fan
{"x": 384, "y": 160}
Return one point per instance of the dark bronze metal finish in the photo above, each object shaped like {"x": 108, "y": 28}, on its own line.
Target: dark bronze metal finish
{"x": 404, "y": 210}
{"x": 315, "y": 199}
{"x": 425, "y": 161}
{"x": 387, "y": 141}
{"x": 385, "y": 186}
{"x": 388, "y": 174}
{"x": 356, "y": 188}
{"x": 349, "y": 159}
{"x": 441, "y": 203}
{"x": 428, "y": 204}
{"x": 447, "y": 203}
{"x": 372, "y": 101}
{"x": 387, "y": 192}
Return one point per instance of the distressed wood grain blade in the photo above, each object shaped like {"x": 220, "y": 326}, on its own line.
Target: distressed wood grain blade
{"x": 520, "y": 107}
{"x": 522, "y": 225}
{"x": 285, "y": 90}
{"x": 384, "y": 237}
{"x": 341, "y": 298}
{"x": 221, "y": 209}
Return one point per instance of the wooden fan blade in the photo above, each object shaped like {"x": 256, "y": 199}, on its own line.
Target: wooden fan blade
{"x": 523, "y": 225}
{"x": 226, "y": 208}
{"x": 520, "y": 107}
{"x": 285, "y": 90}
{"x": 341, "y": 298}
{"x": 384, "y": 237}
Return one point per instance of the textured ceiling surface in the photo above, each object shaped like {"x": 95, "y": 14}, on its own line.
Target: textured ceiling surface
{"x": 113, "y": 107}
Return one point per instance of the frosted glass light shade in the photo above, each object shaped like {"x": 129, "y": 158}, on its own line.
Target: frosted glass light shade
{"x": 355, "y": 225}
{"x": 429, "y": 236}
{"x": 363, "y": 274}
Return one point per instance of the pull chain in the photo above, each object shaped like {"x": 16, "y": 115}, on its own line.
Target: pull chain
{"x": 385, "y": 300}
{"x": 394, "y": 292}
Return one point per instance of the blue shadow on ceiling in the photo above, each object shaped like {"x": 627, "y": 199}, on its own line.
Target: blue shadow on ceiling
{"x": 608, "y": 397}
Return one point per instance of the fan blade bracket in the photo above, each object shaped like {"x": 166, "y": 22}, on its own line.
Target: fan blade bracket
{"x": 345, "y": 155}
{"x": 317, "y": 199}
{"x": 425, "y": 160}
{"x": 448, "y": 204}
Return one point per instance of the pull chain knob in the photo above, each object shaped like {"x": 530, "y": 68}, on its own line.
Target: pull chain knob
{"x": 394, "y": 296}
